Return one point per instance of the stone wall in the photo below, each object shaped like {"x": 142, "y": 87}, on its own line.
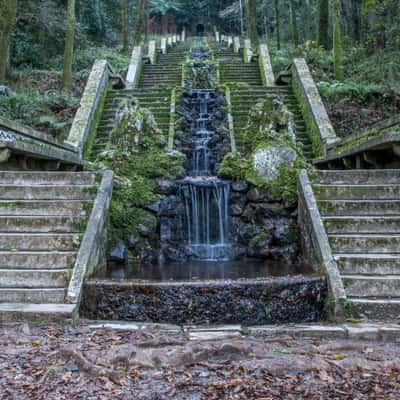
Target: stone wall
{"x": 280, "y": 300}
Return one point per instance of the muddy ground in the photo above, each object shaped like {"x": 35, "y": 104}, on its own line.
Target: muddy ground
{"x": 80, "y": 362}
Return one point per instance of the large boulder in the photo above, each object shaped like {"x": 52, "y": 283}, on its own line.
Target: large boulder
{"x": 267, "y": 161}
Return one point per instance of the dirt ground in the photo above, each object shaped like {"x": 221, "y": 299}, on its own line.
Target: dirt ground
{"x": 80, "y": 362}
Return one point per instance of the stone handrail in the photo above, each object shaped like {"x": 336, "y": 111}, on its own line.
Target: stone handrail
{"x": 247, "y": 51}
{"x": 135, "y": 65}
{"x": 267, "y": 74}
{"x": 84, "y": 117}
{"x": 20, "y": 139}
{"x": 317, "y": 120}
{"x": 315, "y": 244}
{"x": 236, "y": 44}
{"x": 230, "y": 120}
{"x": 171, "y": 131}
{"x": 91, "y": 255}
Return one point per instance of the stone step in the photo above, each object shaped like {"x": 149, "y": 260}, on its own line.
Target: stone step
{"x": 361, "y": 225}
{"x": 55, "y": 224}
{"x": 372, "y": 243}
{"x": 37, "y": 260}
{"x": 384, "y": 309}
{"x": 48, "y": 208}
{"x": 368, "y": 264}
{"x": 372, "y": 286}
{"x": 357, "y": 192}
{"x": 46, "y": 178}
{"x": 359, "y": 207}
{"x": 39, "y": 242}
{"x": 362, "y": 177}
{"x": 33, "y": 278}
{"x": 29, "y": 297}
{"x": 47, "y": 192}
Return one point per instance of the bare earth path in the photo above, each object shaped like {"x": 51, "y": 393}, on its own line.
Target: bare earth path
{"x": 79, "y": 362}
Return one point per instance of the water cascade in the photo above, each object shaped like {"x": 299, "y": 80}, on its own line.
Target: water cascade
{"x": 205, "y": 197}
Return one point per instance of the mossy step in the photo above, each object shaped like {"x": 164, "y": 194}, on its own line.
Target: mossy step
{"x": 372, "y": 308}
{"x": 46, "y": 208}
{"x": 38, "y": 178}
{"x": 47, "y": 192}
{"x": 39, "y": 242}
{"x": 364, "y": 177}
{"x": 368, "y": 264}
{"x": 365, "y": 244}
{"x": 44, "y": 224}
{"x": 37, "y": 259}
{"x": 371, "y": 286}
{"x": 357, "y": 192}
{"x": 359, "y": 207}
{"x": 33, "y": 279}
{"x": 27, "y": 298}
{"x": 362, "y": 225}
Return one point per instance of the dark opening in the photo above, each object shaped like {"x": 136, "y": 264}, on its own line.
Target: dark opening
{"x": 200, "y": 30}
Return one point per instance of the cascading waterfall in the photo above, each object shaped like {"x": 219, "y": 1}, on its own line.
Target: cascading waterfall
{"x": 206, "y": 197}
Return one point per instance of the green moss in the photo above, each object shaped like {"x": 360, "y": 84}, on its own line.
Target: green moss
{"x": 93, "y": 129}
{"x": 317, "y": 145}
{"x": 136, "y": 153}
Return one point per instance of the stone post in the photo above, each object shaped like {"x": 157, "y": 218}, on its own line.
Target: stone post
{"x": 236, "y": 44}
{"x": 164, "y": 46}
{"x": 152, "y": 52}
{"x": 248, "y": 52}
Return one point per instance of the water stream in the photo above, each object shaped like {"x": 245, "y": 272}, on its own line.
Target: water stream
{"x": 205, "y": 196}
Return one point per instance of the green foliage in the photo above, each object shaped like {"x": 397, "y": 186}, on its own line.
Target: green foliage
{"x": 136, "y": 170}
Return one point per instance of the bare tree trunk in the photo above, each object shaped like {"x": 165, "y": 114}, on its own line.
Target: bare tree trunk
{"x": 147, "y": 21}
{"x": 66, "y": 82}
{"x": 323, "y": 24}
{"x": 137, "y": 37}
{"x": 293, "y": 20}
{"x": 124, "y": 23}
{"x": 8, "y": 12}
{"x": 337, "y": 41}
{"x": 251, "y": 21}
{"x": 278, "y": 24}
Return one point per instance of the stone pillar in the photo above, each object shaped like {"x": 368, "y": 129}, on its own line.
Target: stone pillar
{"x": 164, "y": 46}
{"x": 248, "y": 52}
{"x": 169, "y": 41}
{"x": 229, "y": 40}
{"x": 152, "y": 52}
{"x": 236, "y": 44}
{"x": 217, "y": 36}
{"x": 183, "y": 35}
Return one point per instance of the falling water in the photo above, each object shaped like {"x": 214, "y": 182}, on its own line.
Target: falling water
{"x": 206, "y": 197}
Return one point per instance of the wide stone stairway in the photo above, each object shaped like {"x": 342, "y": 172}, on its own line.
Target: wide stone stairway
{"x": 43, "y": 216}
{"x": 360, "y": 210}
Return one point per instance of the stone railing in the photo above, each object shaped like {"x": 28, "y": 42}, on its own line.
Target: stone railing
{"x": 236, "y": 44}
{"x": 94, "y": 91}
{"x": 91, "y": 256}
{"x": 17, "y": 139}
{"x": 171, "y": 131}
{"x": 247, "y": 51}
{"x": 264, "y": 59}
{"x": 317, "y": 120}
{"x": 230, "y": 119}
{"x": 316, "y": 247}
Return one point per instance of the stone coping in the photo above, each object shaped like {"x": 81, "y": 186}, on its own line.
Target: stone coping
{"x": 383, "y": 141}
{"x": 22, "y": 139}
{"x": 357, "y": 331}
{"x": 267, "y": 72}
{"x": 316, "y": 116}
{"x": 91, "y": 250}
{"x": 312, "y": 223}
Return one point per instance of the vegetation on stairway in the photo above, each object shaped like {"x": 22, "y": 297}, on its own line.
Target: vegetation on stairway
{"x": 136, "y": 153}
{"x": 269, "y": 131}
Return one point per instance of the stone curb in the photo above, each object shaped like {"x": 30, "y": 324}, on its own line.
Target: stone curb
{"x": 362, "y": 331}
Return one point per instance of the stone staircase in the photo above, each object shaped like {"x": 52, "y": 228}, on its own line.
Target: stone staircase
{"x": 248, "y": 89}
{"x": 43, "y": 216}
{"x": 360, "y": 210}
{"x": 153, "y": 92}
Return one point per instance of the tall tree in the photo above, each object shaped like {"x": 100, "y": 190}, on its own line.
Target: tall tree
{"x": 293, "y": 23}
{"x": 278, "y": 24}
{"x": 323, "y": 24}
{"x": 124, "y": 24}
{"x": 66, "y": 82}
{"x": 140, "y": 11}
{"x": 251, "y": 21}
{"x": 337, "y": 41}
{"x": 8, "y": 12}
